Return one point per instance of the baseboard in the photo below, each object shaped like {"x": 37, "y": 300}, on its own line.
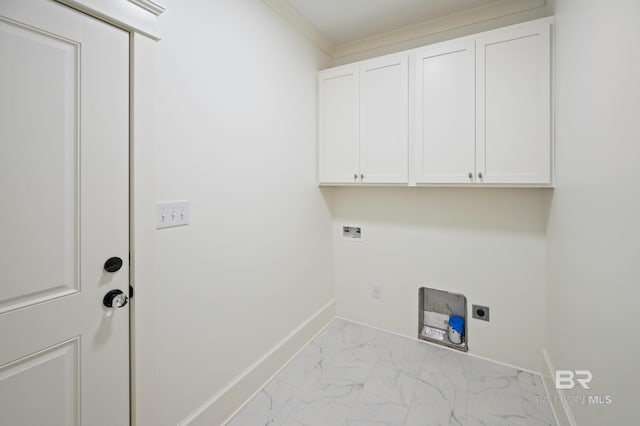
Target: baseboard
{"x": 563, "y": 415}
{"x": 444, "y": 347}
{"x": 231, "y": 398}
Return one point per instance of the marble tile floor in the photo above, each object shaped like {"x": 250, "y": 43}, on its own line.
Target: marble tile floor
{"x": 353, "y": 375}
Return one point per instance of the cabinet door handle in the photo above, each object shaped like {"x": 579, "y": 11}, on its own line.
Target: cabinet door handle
{"x": 480, "y": 175}
{"x": 361, "y": 176}
{"x": 355, "y": 176}
{"x": 470, "y": 175}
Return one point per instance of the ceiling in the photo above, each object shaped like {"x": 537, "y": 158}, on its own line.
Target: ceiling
{"x": 346, "y": 21}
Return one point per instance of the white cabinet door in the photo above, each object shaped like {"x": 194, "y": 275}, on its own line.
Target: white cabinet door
{"x": 444, "y": 131}
{"x": 513, "y": 105}
{"x": 384, "y": 120}
{"x": 64, "y": 170}
{"x": 338, "y": 125}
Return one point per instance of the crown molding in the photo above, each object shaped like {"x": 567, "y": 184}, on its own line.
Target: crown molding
{"x": 149, "y": 6}
{"x": 457, "y": 20}
{"x": 300, "y": 23}
{"x": 497, "y": 9}
{"x": 134, "y": 15}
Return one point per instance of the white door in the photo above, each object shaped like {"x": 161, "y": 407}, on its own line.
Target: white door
{"x": 64, "y": 357}
{"x": 513, "y": 105}
{"x": 444, "y": 125}
{"x": 338, "y": 125}
{"x": 384, "y": 120}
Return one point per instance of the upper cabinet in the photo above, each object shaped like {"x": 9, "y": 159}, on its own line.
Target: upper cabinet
{"x": 480, "y": 109}
{"x": 339, "y": 129}
{"x": 513, "y": 105}
{"x": 363, "y": 122}
{"x": 444, "y": 113}
{"x": 384, "y": 120}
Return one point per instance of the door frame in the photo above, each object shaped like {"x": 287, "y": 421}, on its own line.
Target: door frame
{"x": 139, "y": 19}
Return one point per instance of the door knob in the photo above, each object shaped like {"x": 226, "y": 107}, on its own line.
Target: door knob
{"x": 115, "y": 299}
{"x": 113, "y": 264}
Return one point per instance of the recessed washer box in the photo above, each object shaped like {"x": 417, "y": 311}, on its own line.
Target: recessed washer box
{"x": 434, "y": 309}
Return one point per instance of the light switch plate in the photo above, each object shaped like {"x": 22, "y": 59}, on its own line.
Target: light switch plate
{"x": 172, "y": 213}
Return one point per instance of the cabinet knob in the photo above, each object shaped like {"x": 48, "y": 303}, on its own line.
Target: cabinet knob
{"x": 480, "y": 175}
{"x": 470, "y": 175}
{"x": 355, "y": 176}
{"x": 361, "y": 176}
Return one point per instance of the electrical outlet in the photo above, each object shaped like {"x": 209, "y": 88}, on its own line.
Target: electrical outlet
{"x": 172, "y": 213}
{"x": 376, "y": 292}
{"x": 480, "y": 312}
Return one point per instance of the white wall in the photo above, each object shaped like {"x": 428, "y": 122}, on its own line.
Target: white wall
{"x": 487, "y": 244}
{"x": 236, "y": 136}
{"x": 594, "y": 230}
{"x": 237, "y": 125}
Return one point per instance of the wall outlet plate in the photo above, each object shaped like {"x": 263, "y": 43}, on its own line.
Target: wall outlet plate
{"x": 480, "y": 312}
{"x": 376, "y": 292}
{"x": 351, "y": 232}
{"x": 172, "y": 213}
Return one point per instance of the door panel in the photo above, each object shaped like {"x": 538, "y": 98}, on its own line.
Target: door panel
{"x": 384, "y": 120}
{"x": 445, "y": 114}
{"x": 42, "y": 107}
{"x": 43, "y": 385}
{"x": 64, "y": 175}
